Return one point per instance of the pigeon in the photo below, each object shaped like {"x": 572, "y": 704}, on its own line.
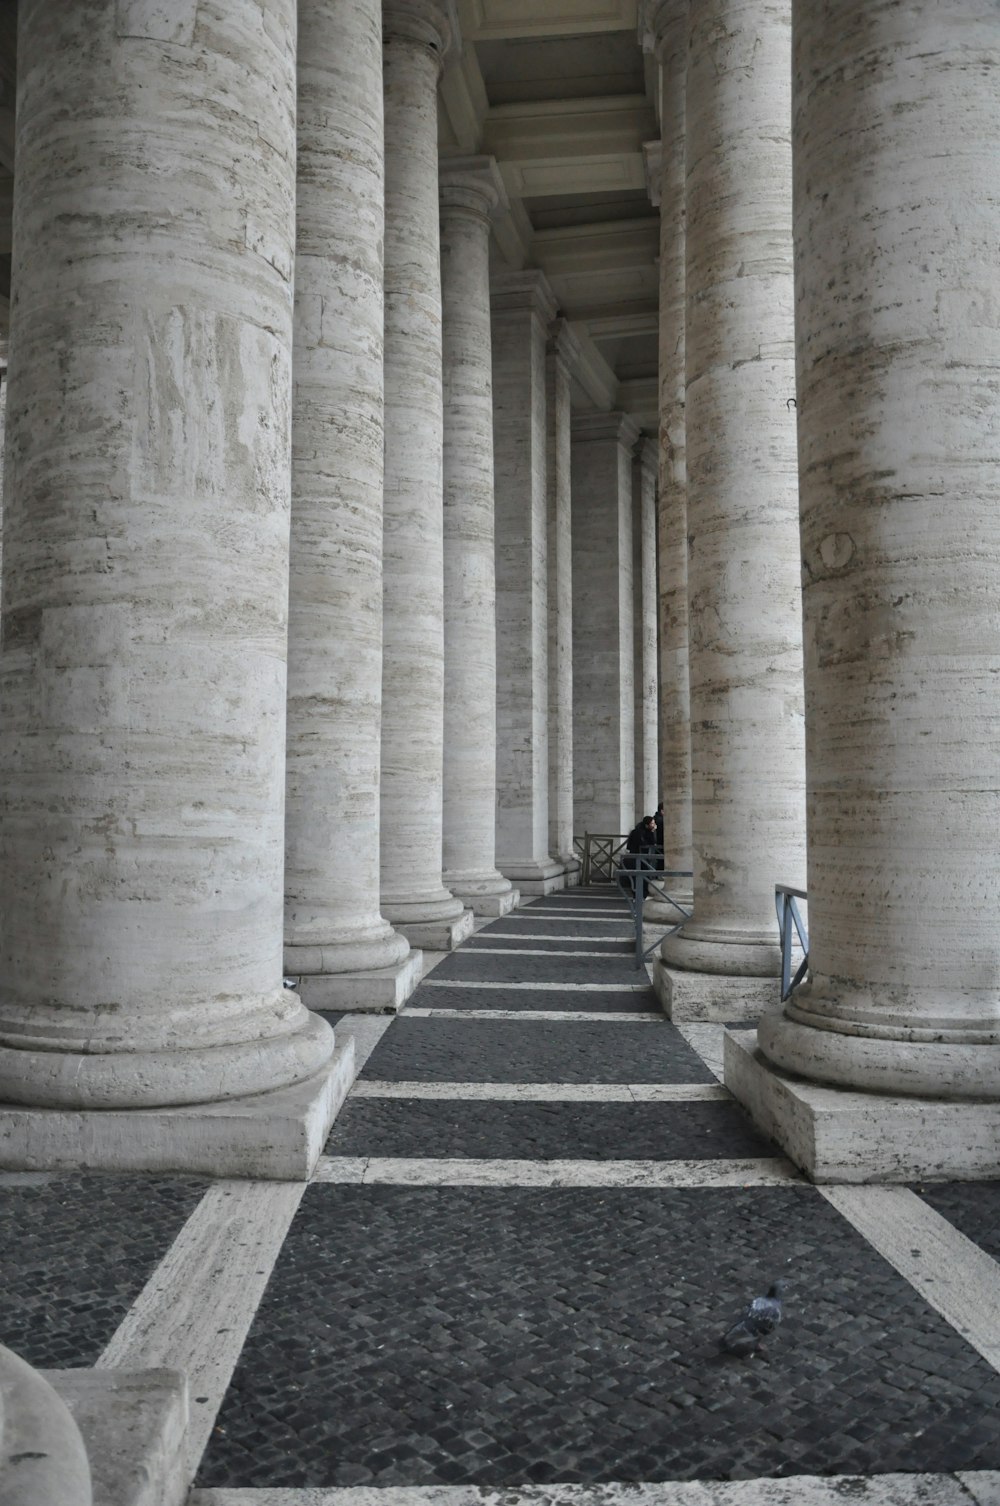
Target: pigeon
{"x": 761, "y": 1318}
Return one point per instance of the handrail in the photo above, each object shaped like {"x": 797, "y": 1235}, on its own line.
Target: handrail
{"x": 789, "y": 917}
{"x": 643, "y": 881}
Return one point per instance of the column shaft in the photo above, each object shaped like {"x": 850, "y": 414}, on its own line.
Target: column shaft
{"x": 743, "y": 551}
{"x": 146, "y": 561}
{"x": 470, "y": 189}
{"x": 898, "y": 363}
{"x": 603, "y": 633}
{"x": 563, "y": 353}
{"x": 670, "y": 23}
{"x": 523, "y": 309}
{"x": 645, "y": 636}
{"x": 413, "y": 894}
{"x": 334, "y": 934}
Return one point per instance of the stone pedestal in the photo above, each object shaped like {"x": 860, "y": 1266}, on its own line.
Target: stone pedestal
{"x": 901, "y": 553}
{"x": 745, "y": 636}
{"x": 603, "y": 649}
{"x": 563, "y": 355}
{"x": 523, "y": 308}
{"x": 669, "y": 22}
{"x": 146, "y": 567}
{"x": 337, "y": 944}
{"x": 708, "y": 996}
{"x": 471, "y": 188}
{"x": 645, "y": 673}
{"x": 417, "y": 34}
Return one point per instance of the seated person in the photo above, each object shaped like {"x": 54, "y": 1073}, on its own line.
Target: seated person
{"x": 641, "y": 841}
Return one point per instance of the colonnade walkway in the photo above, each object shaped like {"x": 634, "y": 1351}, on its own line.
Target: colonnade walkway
{"x": 536, "y": 1213}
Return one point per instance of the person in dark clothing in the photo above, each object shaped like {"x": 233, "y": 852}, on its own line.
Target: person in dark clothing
{"x": 658, "y": 818}
{"x": 640, "y": 842}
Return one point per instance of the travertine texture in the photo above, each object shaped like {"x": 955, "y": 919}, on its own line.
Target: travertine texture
{"x": 523, "y": 308}
{"x": 146, "y": 559}
{"x": 42, "y": 1455}
{"x": 603, "y": 634}
{"x": 669, "y": 21}
{"x": 563, "y": 354}
{"x": 743, "y": 553}
{"x": 645, "y": 637}
{"x": 470, "y": 190}
{"x": 417, "y": 34}
{"x": 332, "y": 919}
{"x": 899, "y": 356}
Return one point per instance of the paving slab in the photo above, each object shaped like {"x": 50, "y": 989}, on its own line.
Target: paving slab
{"x": 476, "y": 1050}
{"x": 570, "y": 1335}
{"x": 578, "y": 1000}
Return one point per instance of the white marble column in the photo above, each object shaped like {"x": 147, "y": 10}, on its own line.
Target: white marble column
{"x": 644, "y": 472}
{"x": 417, "y": 34}
{"x": 604, "y": 798}
{"x": 669, "y": 26}
{"x": 523, "y": 309}
{"x": 563, "y": 355}
{"x": 471, "y": 188}
{"x": 899, "y": 367}
{"x": 336, "y": 942}
{"x": 146, "y": 568}
{"x": 748, "y": 808}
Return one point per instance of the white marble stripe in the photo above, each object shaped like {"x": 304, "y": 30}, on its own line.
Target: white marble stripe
{"x": 367, "y": 1030}
{"x": 575, "y": 913}
{"x": 531, "y": 936}
{"x": 619, "y": 1016}
{"x": 559, "y": 988}
{"x": 974, "y": 1488}
{"x": 592, "y": 920}
{"x": 545, "y": 1092}
{"x": 195, "y": 1310}
{"x": 957, "y": 1278}
{"x": 460, "y": 1172}
{"x": 705, "y": 1039}
{"x": 518, "y": 951}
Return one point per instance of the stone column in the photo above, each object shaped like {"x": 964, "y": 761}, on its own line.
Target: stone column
{"x": 471, "y": 187}
{"x": 146, "y": 569}
{"x": 745, "y": 630}
{"x": 644, "y": 472}
{"x": 417, "y": 33}
{"x": 336, "y": 941}
{"x": 899, "y": 366}
{"x": 523, "y": 309}
{"x": 669, "y": 23}
{"x": 563, "y": 355}
{"x": 603, "y": 646}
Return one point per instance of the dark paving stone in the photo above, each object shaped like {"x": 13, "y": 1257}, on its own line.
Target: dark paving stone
{"x": 545, "y": 1131}
{"x": 455, "y": 1050}
{"x": 470, "y": 968}
{"x": 616, "y": 947}
{"x": 75, "y": 1252}
{"x": 507, "y": 1336}
{"x": 554, "y": 925}
{"x": 529, "y": 1000}
{"x": 973, "y": 1207}
{"x": 590, "y": 899}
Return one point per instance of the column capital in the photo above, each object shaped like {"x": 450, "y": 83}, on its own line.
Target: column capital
{"x": 512, "y": 292}
{"x": 659, "y": 21}
{"x": 429, "y": 23}
{"x": 593, "y": 428}
{"x": 564, "y": 344}
{"x": 647, "y": 454}
{"x": 473, "y": 184}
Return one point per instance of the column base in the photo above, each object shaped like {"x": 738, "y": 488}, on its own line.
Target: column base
{"x": 717, "y": 997}
{"x": 656, "y": 913}
{"x": 492, "y": 905}
{"x": 133, "y": 1424}
{"x": 380, "y": 990}
{"x": 573, "y": 867}
{"x": 438, "y": 935}
{"x": 270, "y": 1136}
{"x": 536, "y": 878}
{"x": 837, "y": 1135}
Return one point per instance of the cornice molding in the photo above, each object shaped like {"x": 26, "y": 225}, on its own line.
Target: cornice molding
{"x": 598, "y": 428}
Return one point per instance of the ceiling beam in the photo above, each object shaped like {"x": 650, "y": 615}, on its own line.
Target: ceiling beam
{"x": 502, "y": 19}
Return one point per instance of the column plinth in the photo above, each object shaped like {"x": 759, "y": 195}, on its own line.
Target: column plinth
{"x": 470, "y": 190}
{"x": 744, "y": 627}
{"x": 145, "y": 558}
{"x": 336, "y": 941}
{"x": 414, "y": 897}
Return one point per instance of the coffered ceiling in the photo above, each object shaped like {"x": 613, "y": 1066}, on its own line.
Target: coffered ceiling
{"x": 561, "y": 93}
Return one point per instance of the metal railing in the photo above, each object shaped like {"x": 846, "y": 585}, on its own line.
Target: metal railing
{"x": 647, "y": 880}
{"x": 789, "y": 921}
{"x": 600, "y": 851}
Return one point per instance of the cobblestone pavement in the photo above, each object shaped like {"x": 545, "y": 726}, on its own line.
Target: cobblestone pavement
{"x": 414, "y": 1331}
